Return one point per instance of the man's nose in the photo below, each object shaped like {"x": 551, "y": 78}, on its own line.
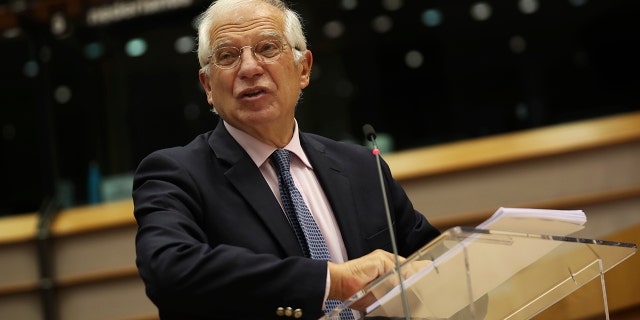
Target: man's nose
{"x": 249, "y": 64}
{"x": 247, "y": 55}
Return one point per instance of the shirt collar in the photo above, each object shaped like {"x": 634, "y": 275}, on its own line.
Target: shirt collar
{"x": 259, "y": 151}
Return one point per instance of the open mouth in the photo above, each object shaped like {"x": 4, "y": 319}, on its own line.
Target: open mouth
{"x": 252, "y": 93}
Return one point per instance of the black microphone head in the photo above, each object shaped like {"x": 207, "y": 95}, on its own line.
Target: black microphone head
{"x": 369, "y": 132}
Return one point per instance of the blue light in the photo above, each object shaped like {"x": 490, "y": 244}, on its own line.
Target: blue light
{"x": 93, "y": 51}
{"x": 432, "y": 17}
{"x": 136, "y": 47}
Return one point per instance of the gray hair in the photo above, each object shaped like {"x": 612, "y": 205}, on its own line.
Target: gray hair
{"x": 293, "y": 32}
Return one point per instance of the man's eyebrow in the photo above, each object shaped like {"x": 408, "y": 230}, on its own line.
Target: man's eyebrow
{"x": 272, "y": 34}
{"x": 220, "y": 44}
{"x": 266, "y": 34}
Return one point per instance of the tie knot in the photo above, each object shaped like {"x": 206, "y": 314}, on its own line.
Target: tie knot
{"x": 282, "y": 159}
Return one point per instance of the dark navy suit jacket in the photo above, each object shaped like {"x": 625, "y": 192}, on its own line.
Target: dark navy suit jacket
{"x": 213, "y": 242}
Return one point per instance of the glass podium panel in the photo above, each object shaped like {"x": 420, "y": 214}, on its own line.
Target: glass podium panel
{"x": 471, "y": 273}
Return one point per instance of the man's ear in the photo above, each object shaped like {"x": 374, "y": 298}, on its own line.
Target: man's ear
{"x": 206, "y": 85}
{"x": 305, "y": 66}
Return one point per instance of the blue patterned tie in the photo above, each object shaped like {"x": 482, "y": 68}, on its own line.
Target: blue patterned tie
{"x": 304, "y": 226}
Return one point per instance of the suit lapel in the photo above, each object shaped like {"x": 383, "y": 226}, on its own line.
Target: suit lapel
{"x": 248, "y": 180}
{"x": 337, "y": 188}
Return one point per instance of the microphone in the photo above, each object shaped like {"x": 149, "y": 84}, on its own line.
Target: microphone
{"x": 370, "y": 134}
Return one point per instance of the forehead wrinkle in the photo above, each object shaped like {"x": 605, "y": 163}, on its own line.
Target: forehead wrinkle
{"x": 261, "y": 35}
{"x": 241, "y": 28}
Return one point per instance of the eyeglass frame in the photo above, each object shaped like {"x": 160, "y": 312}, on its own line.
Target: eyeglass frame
{"x": 256, "y": 56}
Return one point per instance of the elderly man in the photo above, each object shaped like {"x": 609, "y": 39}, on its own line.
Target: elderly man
{"x": 256, "y": 219}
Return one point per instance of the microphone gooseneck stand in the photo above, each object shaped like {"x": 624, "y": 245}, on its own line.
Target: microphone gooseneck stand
{"x": 370, "y": 134}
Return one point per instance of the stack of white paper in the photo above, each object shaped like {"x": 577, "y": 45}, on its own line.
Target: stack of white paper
{"x": 536, "y": 221}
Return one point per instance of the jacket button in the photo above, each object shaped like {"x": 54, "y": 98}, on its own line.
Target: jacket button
{"x": 280, "y": 312}
{"x": 288, "y": 312}
{"x": 297, "y": 313}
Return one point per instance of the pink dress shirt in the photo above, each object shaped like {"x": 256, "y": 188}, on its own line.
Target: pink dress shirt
{"x": 306, "y": 181}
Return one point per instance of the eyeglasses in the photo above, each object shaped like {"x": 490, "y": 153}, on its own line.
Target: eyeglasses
{"x": 265, "y": 51}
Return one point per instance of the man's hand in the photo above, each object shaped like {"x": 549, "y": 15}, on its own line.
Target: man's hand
{"x": 349, "y": 277}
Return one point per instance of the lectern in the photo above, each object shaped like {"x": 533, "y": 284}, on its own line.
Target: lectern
{"x": 469, "y": 273}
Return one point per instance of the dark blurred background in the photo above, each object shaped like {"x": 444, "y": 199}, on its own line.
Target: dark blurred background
{"x": 89, "y": 87}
